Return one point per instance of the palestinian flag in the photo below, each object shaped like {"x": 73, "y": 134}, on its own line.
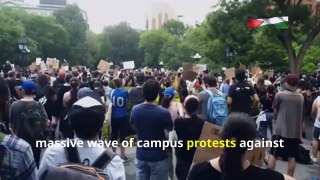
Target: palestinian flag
{"x": 275, "y": 22}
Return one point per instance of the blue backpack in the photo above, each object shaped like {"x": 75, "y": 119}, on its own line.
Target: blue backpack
{"x": 217, "y": 108}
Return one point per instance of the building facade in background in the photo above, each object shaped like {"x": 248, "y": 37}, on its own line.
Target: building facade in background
{"x": 38, "y": 7}
{"x": 159, "y": 14}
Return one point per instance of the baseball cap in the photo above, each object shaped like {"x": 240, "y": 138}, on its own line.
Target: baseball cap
{"x": 28, "y": 86}
{"x": 292, "y": 80}
{"x": 170, "y": 91}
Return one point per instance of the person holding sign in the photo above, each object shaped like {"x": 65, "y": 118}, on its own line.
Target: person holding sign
{"x": 232, "y": 164}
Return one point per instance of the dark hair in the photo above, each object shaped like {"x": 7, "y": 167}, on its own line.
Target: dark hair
{"x": 166, "y": 101}
{"x": 240, "y": 75}
{"x": 239, "y": 127}
{"x": 75, "y": 73}
{"x": 151, "y": 90}
{"x": 183, "y": 90}
{"x": 74, "y": 83}
{"x": 117, "y": 82}
{"x": 18, "y": 75}
{"x": 68, "y": 77}
{"x": 210, "y": 80}
{"x": 87, "y": 122}
{"x": 97, "y": 84}
{"x": 105, "y": 83}
{"x": 192, "y": 106}
{"x": 43, "y": 80}
{"x": 4, "y": 101}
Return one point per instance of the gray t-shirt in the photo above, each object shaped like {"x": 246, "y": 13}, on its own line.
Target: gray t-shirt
{"x": 203, "y": 99}
{"x": 20, "y": 106}
{"x": 288, "y": 114}
{"x": 136, "y": 96}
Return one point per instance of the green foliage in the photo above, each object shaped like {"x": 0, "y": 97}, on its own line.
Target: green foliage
{"x": 175, "y": 27}
{"x": 46, "y": 36}
{"x": 311, "y": 60}
{"x": 71, "y": 18}
{"x": 174, "y": 53}
{"x": 151, "y": 44}
{"x": 121, "y": 43}
{"x": 10, "y": 31}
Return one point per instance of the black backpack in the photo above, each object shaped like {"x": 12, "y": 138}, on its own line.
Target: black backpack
{"x": 303, "y": 156}
{"x": 32, "y": 126}
{"x": 75, "y": 170}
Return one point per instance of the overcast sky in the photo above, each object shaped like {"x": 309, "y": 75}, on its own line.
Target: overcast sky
{"x": 102, "y": 13}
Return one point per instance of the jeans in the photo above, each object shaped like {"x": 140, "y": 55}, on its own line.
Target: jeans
{"x": 146, "y": 170}
{"x": 264, "y": 125}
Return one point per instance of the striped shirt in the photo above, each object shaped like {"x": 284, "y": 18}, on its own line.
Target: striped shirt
{"x": 16, "y": 160}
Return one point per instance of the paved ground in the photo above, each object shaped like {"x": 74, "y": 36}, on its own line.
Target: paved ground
{"x": 303, "y": 172}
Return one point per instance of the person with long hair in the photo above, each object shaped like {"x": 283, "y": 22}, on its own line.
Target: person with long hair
{"x": 266, "y": 102}
{"x": 69, "y": 98}
{"x": 232, "y": 163}
{"x": 169, "y": 103}
{"x": 47, "y": 96}
{"x": 187, "y": 128}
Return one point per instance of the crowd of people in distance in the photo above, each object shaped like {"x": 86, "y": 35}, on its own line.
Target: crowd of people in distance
{"x": 156, "y": 105}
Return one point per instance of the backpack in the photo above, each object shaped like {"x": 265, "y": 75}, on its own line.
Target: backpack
{"x": 217, "y": 108}
{"x": 32, "y": 126}
{"x": 75, "y": 170}
{"x": 303, "y": 156}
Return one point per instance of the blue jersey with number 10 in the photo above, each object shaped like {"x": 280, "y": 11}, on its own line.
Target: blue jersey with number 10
{"x": 119, "y": 99}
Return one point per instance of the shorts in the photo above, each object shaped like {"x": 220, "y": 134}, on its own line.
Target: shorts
{"x": 290, "y": 149}
{"x": 316, "y": 133}
{"x": 119, "y": 127}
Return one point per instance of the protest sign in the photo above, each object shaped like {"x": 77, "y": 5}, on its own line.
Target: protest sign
{"x": 202, "y": 67}
{"x": 103, "y": 65}
{"x": 66, "y": 68}
{"x": 38, "y": 61}
{"x": 230, "y": 73}
{"x": 255, "y": 70}
{"x": 128, "y": 65}
{"x": 43, "y": 66}
{"x": 189, "y": 75}
{"x": 33, "y": 66}
{"x": 211, "y": 132}
{"x": 187, "y": 67}
{"x": 243, "y": 67}
{"x": 55, "y": 64}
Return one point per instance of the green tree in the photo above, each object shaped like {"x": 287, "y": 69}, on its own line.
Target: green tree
{"x": 93, "y": 42}
{"x": 311, "y": 60}
{"x": 121, "y": 43}
{"x": 71, "y": 18}
{"x": 174, "y": 53}
{"x": 47, "y": 37}
{"x": 10, "y": 31}
{"x": 175, "y": 27}
{"x": 151, "y": 44}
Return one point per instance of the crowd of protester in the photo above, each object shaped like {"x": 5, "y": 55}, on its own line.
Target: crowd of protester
{"x": 159, "y": 106}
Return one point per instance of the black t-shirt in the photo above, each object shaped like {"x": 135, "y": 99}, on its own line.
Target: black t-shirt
{"x": 12, "y": 83}
{"x": 205, "y": 171}
{"x": 59, "y": 104}
{"x": 241, "y": 94}
{"x": 44, "y": 95}
{"x": 267, "y": 103}
{"x": 187, "y": 129}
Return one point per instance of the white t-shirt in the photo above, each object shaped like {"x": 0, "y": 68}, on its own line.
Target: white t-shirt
{"x": 317, "y": 121}
{"x": 54, "y": 156}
